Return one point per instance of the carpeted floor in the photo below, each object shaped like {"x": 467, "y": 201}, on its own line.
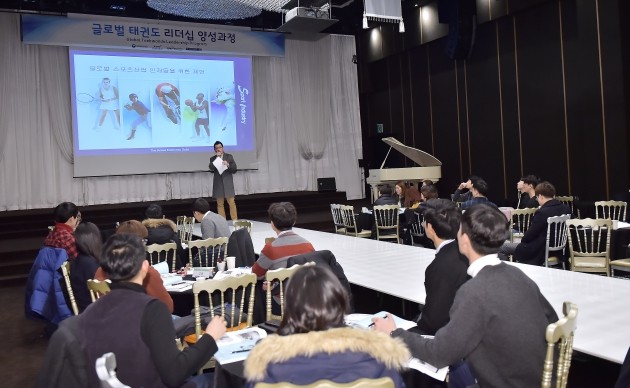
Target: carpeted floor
{"x": 24, "y": 343}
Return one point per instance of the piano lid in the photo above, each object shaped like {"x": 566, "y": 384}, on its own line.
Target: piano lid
{"x": 420, "y": 157}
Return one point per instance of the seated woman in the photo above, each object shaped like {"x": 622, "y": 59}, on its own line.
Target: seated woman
{"x": 313, "y": 343}
{"x": 89, "y": 247}
{"x": 400, "y": 191}
{"x": 152, "y": 283}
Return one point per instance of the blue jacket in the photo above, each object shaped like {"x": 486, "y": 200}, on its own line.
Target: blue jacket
{"x": 44, "y": 295}
{"x": 341, "y": 355}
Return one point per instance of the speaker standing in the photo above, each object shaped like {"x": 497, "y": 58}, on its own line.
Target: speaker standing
{"x": 223, "y": 182}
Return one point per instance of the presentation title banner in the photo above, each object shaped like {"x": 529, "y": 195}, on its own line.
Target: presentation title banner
{"x": 106, "y": 32}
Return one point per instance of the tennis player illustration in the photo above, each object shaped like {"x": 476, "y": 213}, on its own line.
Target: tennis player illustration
{"x": 108, "y": 96}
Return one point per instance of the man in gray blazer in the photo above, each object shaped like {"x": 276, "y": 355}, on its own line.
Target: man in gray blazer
{"x": 223, "y": 183}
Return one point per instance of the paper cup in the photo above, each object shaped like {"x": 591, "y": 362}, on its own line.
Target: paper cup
{"x": 231, "y": 262}
{"x": 221, "y": 266}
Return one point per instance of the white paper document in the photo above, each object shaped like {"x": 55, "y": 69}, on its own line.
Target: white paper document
{"x": 218, "y": 164}
{"x": 364, "y": 321}
{"x": 235, "y": 345}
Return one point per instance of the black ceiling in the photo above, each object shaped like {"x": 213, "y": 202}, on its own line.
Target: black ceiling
{"x": 348, "y": 12}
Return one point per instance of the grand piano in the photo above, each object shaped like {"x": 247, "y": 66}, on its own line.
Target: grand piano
{"x": 431, "y": 168}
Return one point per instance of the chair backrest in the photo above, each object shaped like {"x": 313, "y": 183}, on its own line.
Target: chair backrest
{"x": 417, "y": 230}
{"x": 349, "y": 219}
{"x": 386, "y": 221}
{"x": 279, "y": 275}
{"x": 589, "y": 244}
{"x": 337, "y": 217}
{"x": 239, "y": 290}
{"x": 240, "y": 224}
{"x": 383, "y": 382}
{"x": 185, "y": 228}
{"x": 98, "y": 288}
{"x": 106, "y": 371}
{"x": 521, "y": 221}
{"x": 157, "y": 253}
{"x": 556, "y": 235}
{"x": 208, "y": 251}
{"x": 65, "y": 270}
{"x": 560, "y": 335}
{"x": 611, "y": 210}
{"x": 569, "y": 200}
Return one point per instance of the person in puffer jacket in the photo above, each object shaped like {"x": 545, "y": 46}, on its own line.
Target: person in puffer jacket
{"x": 313, "y": 342}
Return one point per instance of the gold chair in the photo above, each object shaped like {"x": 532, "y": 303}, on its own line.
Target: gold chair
{"x": 569, "y": 201}
{"x": 240, "y": 224}
{"x": 611, "y": 210}
{"x": 280, "y": 276}
{"x": 208, "y": 250}
{"x": 337, "y": 218}
{"x": 560, "y": 334}
{"x": 350, "y": 222}
{"x": 232, "y": 283}
{"x": 185, "y": 228}
{"x": 556, "y": 239}
{"x": 386, "y": 220}
{"x": 235, "y": 298}
{"x": 65, "y": 270}
{"x": 520, "y": 222}
{"x": 589, "y": 245}
{"x": 383, "y": 382}
{"x": 98, "y": 288}
{"x": 157, "y": 253}
{"x": 417, "y": 230}
{"x": 620, "y": 265}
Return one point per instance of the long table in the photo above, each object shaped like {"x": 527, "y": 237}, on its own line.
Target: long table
{"x": 398, "y": 270}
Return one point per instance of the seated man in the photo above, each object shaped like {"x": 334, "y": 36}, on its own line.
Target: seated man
{"x": 531, "y": 249}
{"x": 479, "y": 190}
{"x": 447, "y": 272}
{"x": 386, "y": 196}
{"x": 464, "y": 191}
{"x": 274, "y": 255}
{"x": 161, "y": 231}
{"x": 498, "y": 319}
{"x": 527, "y": 195}
{"x": 67, "y": 218}
{"x": 137, "y": 328}
{"x": 212, "y": 224}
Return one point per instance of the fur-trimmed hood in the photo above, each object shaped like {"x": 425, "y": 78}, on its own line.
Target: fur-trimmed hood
{"x": 277, "y": 349}
{"x": 158, "y": 222}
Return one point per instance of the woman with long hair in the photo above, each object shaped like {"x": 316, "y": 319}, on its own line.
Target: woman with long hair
{"x": 89, "y": 247}
{"x": 313, "y": 342}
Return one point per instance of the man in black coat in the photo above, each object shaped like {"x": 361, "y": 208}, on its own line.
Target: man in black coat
{"x": 447, "y": 272}
{"x": 531, "y": 249}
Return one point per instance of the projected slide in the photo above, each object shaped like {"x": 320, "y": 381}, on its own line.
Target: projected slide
{"x": 147, "y": 104}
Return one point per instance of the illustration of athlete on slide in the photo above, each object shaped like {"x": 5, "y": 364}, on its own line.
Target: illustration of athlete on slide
{"x": 168, "y": 96}
{"x": 142, "y": 111}
{"x": 225, "y": 96}
{"x": 200, "y": 106}
{"x": 108, "y": 96}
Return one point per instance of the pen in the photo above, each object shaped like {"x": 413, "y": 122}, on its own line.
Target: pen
{"x": 241, "y": 351}
{"x": 372, "y": 324}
